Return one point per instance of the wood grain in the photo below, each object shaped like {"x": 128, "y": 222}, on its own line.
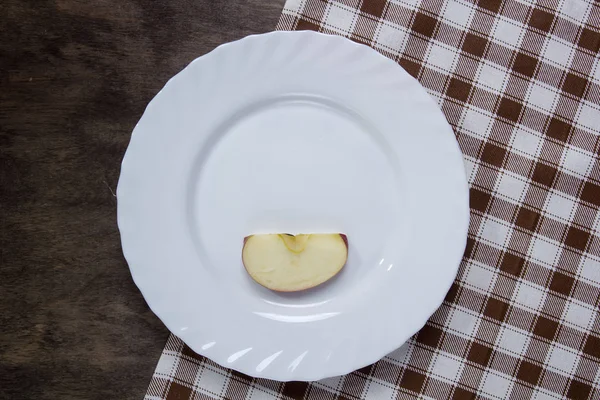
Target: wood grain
{"x": 75, "y": 77}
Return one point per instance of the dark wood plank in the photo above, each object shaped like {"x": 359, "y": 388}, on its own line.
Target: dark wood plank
{"x": 75, "y": 77}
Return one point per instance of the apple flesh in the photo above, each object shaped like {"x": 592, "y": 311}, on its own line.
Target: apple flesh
{"x": 289, "y": 263}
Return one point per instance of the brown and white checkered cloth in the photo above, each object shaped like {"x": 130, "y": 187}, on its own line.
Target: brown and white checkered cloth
{"x": 519, "y": 81}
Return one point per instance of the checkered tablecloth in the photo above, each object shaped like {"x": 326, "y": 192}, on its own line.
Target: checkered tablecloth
{"x": 519, "y": 81}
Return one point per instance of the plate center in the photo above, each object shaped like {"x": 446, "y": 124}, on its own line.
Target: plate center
{"x": 297, "y": 164}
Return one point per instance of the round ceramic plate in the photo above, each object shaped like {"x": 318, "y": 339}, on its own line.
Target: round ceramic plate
{"x": 294, "y": 132}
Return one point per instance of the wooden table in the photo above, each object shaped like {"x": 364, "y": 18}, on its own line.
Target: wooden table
{"x": 75, "y": 77}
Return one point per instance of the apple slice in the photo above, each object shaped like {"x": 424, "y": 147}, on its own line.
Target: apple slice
{"x": 288, "y": 263}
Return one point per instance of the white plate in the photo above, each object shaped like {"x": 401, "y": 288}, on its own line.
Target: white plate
{"x": 293, "y": 132}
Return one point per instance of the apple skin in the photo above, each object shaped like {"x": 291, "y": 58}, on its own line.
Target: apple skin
{"x": 345, "y": 239}
{"x": 296, "y": 289}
